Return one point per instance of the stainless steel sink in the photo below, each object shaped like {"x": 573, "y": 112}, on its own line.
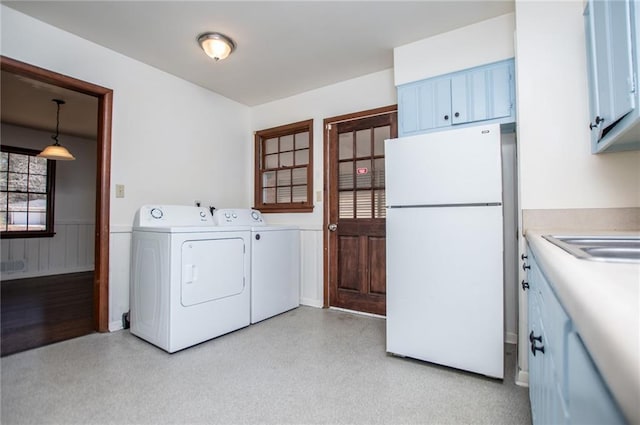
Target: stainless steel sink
{"x": 624, "y": 249}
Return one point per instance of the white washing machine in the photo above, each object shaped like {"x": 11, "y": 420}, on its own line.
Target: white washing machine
{"x": 275, "y": 262}
{"x": 190, "y": 279}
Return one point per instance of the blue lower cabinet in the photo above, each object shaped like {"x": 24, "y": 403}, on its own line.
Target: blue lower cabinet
{"x": 547, "y": 388}
{"x": 591, "y": 401}
{"x": 565, "y": 386}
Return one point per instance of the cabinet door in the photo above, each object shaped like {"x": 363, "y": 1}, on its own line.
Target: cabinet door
{"x": 548, "y": 404}
{"x": 408, "y": 110}
{"x": 424, "y": 106}
{"x": 609, "y": 44}
{"x": 535, "y": 362}
{"x": 482, "y": 94}
{"x": 435, "y": 104}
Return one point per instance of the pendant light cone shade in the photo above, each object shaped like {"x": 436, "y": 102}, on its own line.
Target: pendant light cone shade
{"x": 56, "y": 151}
{"x": 217, "y": 46}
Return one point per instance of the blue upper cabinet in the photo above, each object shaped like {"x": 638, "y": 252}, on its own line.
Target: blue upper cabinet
{"x": 484, "y": 93}
{"x": 611, "y": 40}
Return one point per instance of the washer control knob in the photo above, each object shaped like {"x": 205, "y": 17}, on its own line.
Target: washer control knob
{"x": 255, "y": 215}
{"x": 234, "y": 215}
{"x": 202, "y": 214}
{"x": 156, "y": 213}
{"x": 227, "y": 215}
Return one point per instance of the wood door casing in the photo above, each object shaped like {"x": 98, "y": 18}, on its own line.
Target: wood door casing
{"x": 355, "y": 189}
{"x": 103, "y": 178}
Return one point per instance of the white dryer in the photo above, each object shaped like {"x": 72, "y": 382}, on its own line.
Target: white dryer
{"x": 275, "y": 262}
{"x": 190, "y": 280}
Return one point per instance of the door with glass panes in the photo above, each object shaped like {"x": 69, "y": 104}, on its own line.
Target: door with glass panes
{"x": 356, "y": 228}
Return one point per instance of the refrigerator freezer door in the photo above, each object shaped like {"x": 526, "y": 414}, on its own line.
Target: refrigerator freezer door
{"x": 450, "y": 167}
{"x": 445, "y": 286}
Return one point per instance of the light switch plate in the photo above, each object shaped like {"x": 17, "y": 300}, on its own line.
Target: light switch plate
{"x": 119, "y": 191}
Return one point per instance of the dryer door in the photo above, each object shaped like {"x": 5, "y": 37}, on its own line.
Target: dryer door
{"x": 212, "y": 269}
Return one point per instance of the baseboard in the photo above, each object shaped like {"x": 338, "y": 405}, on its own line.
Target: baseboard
{"x": 362, "y": 313}
{"x": 311, "y": 302}
{"x": 522, "y": 378}
{"x": 116, "y": 325}
{"x": 511, "y": 338}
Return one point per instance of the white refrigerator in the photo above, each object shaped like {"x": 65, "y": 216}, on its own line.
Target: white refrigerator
{"x": 445, "y": 248}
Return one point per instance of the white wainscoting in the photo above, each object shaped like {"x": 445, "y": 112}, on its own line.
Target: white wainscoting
{"x": 119, "y": 274}
{"x": 71, "y": 250}
{"x": 311, "y": 268}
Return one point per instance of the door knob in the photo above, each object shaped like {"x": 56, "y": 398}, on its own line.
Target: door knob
{"x": 333, "y": 227}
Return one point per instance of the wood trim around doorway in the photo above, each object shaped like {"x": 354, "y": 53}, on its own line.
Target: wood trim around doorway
{"x": 103, "y": 178}
{"x": 325, "y": 195}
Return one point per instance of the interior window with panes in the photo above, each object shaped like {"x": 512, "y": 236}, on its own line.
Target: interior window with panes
{"x": 26, "y": 193}
{"x": 284, "y": 171}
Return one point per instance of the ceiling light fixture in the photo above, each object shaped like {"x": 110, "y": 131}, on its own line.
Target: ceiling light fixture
{"x": 215, "y": 45}
{"x": 56, "y": 151}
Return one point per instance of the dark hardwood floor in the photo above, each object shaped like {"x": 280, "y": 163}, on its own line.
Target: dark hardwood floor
{"x": 40, "y": 311}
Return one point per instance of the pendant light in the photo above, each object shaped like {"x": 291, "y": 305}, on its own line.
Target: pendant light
{"x": 217, "y": 46}
{"x": 57, "y": 151}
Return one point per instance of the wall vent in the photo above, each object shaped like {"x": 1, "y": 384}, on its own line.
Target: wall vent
{"x": 11, "y": 266}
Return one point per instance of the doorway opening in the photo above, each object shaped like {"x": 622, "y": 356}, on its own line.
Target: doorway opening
{"x": 354, "y": 216}
{"x": 100, "y": 249}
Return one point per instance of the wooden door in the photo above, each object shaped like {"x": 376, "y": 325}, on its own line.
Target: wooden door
{"x": 356, "y": 212}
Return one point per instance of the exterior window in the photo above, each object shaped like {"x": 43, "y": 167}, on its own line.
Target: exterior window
{"x": 284, "y": 168}
{"x": 26, "y": 194}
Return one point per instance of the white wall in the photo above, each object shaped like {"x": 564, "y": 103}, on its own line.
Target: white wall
{"x": 359, "y": 94}
{"x": 557, "y": 169}
{"x": 172, "y": 141}
{"x": 72, "y": 248}
{"x": 478, "y": 44}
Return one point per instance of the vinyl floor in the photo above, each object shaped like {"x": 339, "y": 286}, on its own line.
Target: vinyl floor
{"x": 306, "y": 366}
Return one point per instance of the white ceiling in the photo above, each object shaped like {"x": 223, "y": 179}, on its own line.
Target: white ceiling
{"x": 283, "y": 48}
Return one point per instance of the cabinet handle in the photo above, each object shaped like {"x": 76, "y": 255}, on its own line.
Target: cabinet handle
{"x": 534, "y": 338}
{"x": 525, "y": 285}
{"x": 524, "y": 257}
{"x": 457, "y": 114}
{"x": 525, "y": 267}
{"x": 534, "y": 348}
{"x": 598, "y": 121}
{"x": 446, "y": 117}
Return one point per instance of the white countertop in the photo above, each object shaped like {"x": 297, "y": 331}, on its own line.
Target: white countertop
{"x": 603, "y": 301}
